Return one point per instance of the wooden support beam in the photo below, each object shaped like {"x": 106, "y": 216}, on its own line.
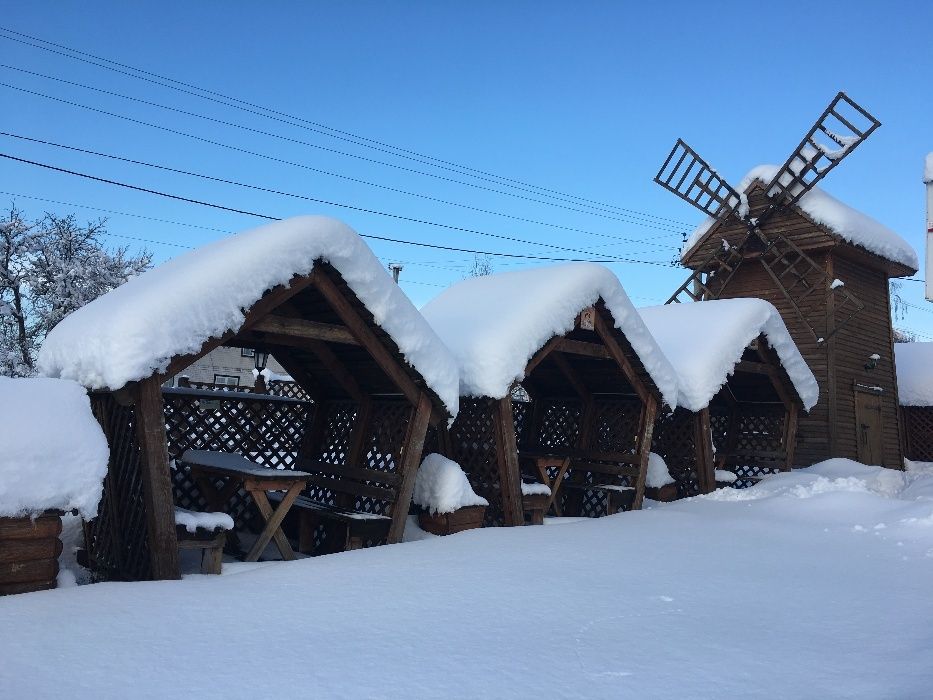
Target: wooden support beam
{"x": 367, "y": 338}
{"x": 409, "y": 462}
{"x": 753, "y": 367}
{"x": 297, "y": 371}
{"x": 570, "y": 374}
{"x": 790, "y": 436}
{"x": 579, "y": 347}
{"x": 545, "y": 350}
{"x": 649, "y": 414}
{"x": 510, "y": 478}
{"x": 337, "y": 369}
{"x": 269, "y": 301}
{"x": 157, "y": 479}
{"x": 301, "y": 328}
{"x": 703, "y": 440}
{"x": 607, "y": 333}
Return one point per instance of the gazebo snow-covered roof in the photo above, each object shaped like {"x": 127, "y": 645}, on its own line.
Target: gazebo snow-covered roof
{"x": 495, "y": 324}
{"x": 914, "y": 373}
{"x": 170, "y": 311}
{"x": 834, "y": 216}
{"x": 705, "y": 341}
{"x": 54, "y": 453}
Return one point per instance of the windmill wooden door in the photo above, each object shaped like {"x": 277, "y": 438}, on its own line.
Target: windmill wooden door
{"x": 868, "y": 425}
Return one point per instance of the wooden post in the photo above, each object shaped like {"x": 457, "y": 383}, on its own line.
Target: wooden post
{"x": 157, "y": 480}
{"x": 648, "y": 414}
{"x": 510, "y": 478}
{"x": 703, "y": 442}
{"x": 412, "y": 448}
{"x": 790, "y": 435}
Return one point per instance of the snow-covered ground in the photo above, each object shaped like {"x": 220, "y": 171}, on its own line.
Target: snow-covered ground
{"x": 815, "y": 584}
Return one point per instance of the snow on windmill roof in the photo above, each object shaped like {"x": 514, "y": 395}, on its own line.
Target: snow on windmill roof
{"x": 136, "y": 329}
{"x": 849, "y": 224}
{"x": 494, "y": 324}
{"x": 914, "y": 363}
{"x": 704, "y": 340}
{"x": 54, "y": 452}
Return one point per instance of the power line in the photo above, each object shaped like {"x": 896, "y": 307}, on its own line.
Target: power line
{"x": 268, "y": 217}
{"x": 317, "y": 200}
{"x": 627, "y": 218}
{"x": 269, "y": 113}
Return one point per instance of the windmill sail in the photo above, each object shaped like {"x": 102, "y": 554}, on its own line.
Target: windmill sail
{"x": 692, "y": 179}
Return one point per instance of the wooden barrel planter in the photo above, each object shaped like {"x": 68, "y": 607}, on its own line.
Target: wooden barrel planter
{"x": 29, "y": 550}
{"x": 449, "y": 523}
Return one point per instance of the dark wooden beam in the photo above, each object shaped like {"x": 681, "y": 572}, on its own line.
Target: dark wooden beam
{"x": 510, "y": 478}
{"x": 703, "y": 439}
{"x": 753, "y": 367}
{"x": 337, "y": 369}
{"x": 297, "y": 371}
{"x": 545, "y": 350}
{"x": 410, "y": 460}
{"x": 301, "y": 328}
{"x": 157, "y": 479}
{"x": 368, "y": 339}
{"x": 579, "y": 347}
{"x": 607, "y": 333}
{"x": 649, "y": 414}
{"x": 571, "y": 376}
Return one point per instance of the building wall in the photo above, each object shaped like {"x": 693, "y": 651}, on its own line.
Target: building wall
{"x": 227, "y": 362}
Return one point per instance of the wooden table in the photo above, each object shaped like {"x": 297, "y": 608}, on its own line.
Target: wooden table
{"x": 544, "y": 459}
{"x": 238, "y": 472}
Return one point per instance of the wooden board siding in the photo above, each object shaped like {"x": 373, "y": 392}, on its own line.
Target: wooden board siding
{"x": 869, "y": 332}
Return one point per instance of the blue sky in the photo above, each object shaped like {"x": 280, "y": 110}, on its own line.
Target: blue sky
{"x": 578, "y": 98}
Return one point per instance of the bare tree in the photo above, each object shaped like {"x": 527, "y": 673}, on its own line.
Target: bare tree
{"x": 482, "y": 266}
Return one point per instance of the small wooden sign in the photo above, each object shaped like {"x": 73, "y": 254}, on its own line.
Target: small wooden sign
{"x": 588, "y": 318}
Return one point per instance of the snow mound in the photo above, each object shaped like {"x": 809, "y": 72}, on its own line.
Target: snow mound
{"x": 442, "y": 487}
{"x": 849, "y": 224}
{"x": 705, "y": 339}
{"x": 54, "y": 454}
{"x": 192, "y": 520}
{"x": 135, "y": 330}
{"x": 535, "y": 488}
{"x": 914, "y": 362}
{"x": 658, "y": 474}
{"x": 494, "y": 324}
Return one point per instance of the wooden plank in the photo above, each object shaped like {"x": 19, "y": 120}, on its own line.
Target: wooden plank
{"x": 753, "y": 367}
{"x": 273, "y": 521}
{"x": 545, "y": 350}
{"x": 367, "y": 338}
{"x": 412, "y": 447}
{"x": 351, "y": 472}
{"x": 157, "y": 480}
{"x": 615, "y": 350}
{"x": 29, "y": 550}
{"x": 573, "y": 378}
{"x": 579, "y": 347}
{"x": 303, "y": 328}
{"x": 703, "y": 439}
{"x": 646, "y": 429}
{"x": 510, "y": 478}
{"x": 302, "y": 377}
{"x": 337, "y": 369}
{"x": 354, "y": 487}
{"x": 790, "y": 436}
{"x": 831, "y": 346}
{"x": 43, "y": 527}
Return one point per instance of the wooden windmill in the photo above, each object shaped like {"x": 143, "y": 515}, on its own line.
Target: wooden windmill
{"x": 765, "y": 241}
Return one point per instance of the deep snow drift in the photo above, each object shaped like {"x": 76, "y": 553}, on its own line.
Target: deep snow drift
{"x": 813, "y": 584}
{"x": 135, "y": 330}
{"x": 53, "y": 453}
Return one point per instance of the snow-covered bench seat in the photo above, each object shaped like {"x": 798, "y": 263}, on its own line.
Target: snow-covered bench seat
{"x": 204, "y": 531}
{"x": 355, "y": 527}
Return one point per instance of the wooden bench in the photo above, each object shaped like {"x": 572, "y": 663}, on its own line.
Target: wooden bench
{"x": 209, "y": 539}
{"x": 349, "y": 528}
{"x": 610, "y": 465}
{"x": 729, "y": 461}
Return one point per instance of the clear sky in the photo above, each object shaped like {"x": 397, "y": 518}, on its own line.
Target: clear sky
{"x": 584, "y": 99}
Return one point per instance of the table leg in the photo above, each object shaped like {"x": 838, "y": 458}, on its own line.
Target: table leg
{"x": 217, "y": 500}
{"x": 273, "y": 521}
{"x": 555, "y": 486}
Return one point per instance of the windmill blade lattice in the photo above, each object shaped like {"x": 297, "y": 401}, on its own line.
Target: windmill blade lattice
{"x": 709, "y": 281}
{"x": 845, "y": 125}
{"x": 692, "y": 179}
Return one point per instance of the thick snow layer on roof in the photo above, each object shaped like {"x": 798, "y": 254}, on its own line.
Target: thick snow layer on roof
{"x": 849, "y": 224}
{"x": 53, "y": 453}
{"x": 704, "y": 340}
{"x": 135, "y": 330}
{"x": 442, "y": 487}
{"x": 494, "y": 324}
{"x": 914, "y": 363}
{"x": 928, "y": 168}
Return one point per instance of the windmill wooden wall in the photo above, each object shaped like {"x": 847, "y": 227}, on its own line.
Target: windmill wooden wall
{"x": 839, "y": 363}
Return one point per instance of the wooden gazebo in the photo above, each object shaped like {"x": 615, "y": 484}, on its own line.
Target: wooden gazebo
{"x": 361, "y": 435}
{"x": 742, "y": 386}
{"x": 560, "y": 381}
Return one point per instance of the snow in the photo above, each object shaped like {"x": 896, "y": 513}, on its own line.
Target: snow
{"x": 135, "y": 330}
{"x": 494, "y": 324}
{"x": 816, "y": 585}
{"x": 928, "y": 169}
{"x": 535, "y": 489}
{"x": 53, "y": 453}
{"x": 231, "y": 461}
{"x": 724, "y": 476}
{"x": 705, "y": 339}
{"x": 837, "y": 283}
{"x": 658, "y": 474}
{"x": 849, "y": 224}
{"x": 269, "y": 376}
{"x": 442, "y": 487}
{"x": 192, "y": 520}
{"x": 914, "y": 362}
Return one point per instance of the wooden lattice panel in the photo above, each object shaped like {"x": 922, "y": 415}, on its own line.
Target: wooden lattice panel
{"x": 116, "y": 540}
{"x": 674, "y": 439}
{"x": 389, "y": 425}
{"x": 560, "y": 425}
{"x": 918, "y": 432}
{"x": 473, "y": 443}
{"x": 756, "y": 431}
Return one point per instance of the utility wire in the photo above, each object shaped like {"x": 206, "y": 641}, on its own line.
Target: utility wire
{"x": 293, "y": 195}
{"x": 269, "y": 113}
{"x": 327, "y": 172}
{"x": 268, "y": 217}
